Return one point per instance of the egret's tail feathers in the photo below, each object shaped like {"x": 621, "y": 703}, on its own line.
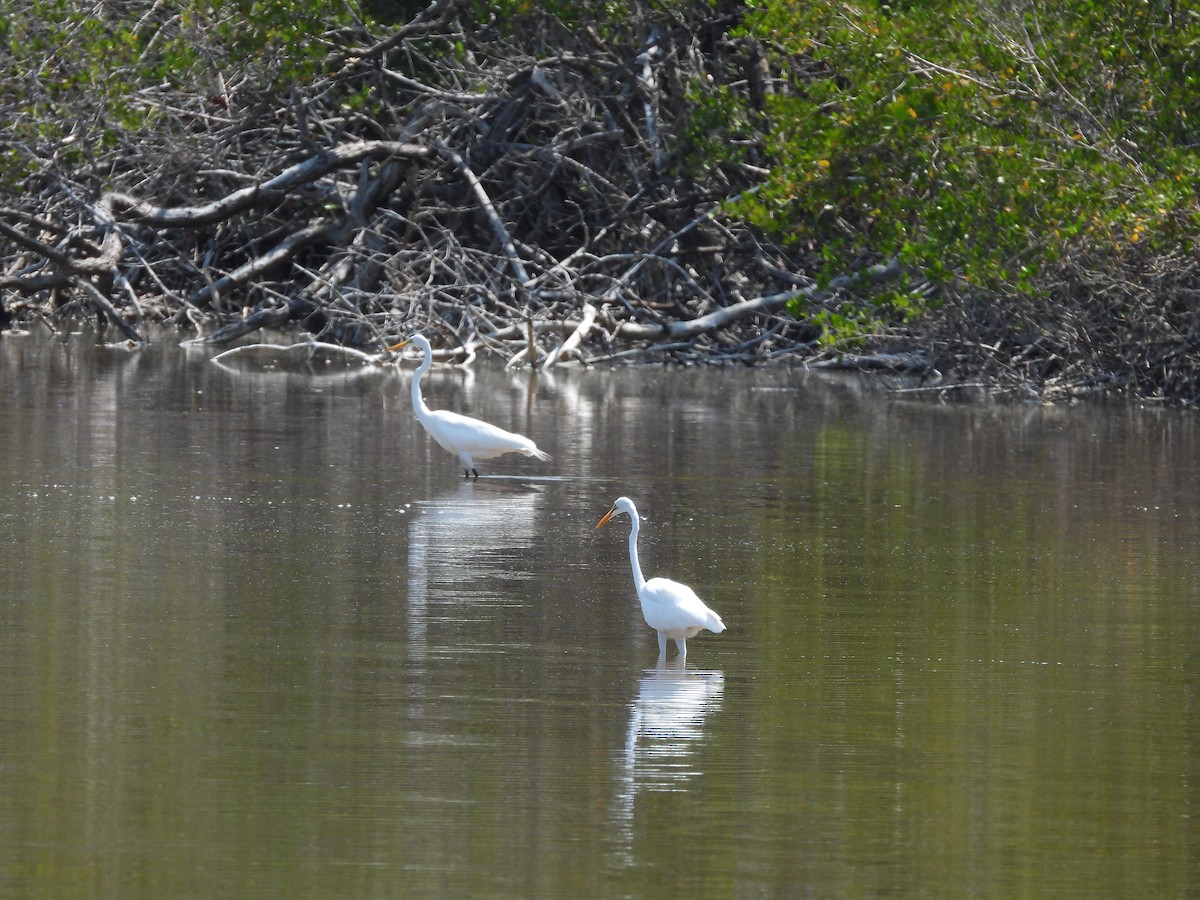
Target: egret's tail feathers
{"x": 715, "y": 625}
{"x": 534, "y": 451}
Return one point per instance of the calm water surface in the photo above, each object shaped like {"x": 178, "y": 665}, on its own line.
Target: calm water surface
{"x": 261, "y": 639}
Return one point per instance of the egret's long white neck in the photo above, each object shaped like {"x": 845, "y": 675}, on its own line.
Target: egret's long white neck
{"x": 418, "y": 401}
{"x": 638, "y": 580}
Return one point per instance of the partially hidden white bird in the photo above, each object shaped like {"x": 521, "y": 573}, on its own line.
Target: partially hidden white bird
{"x": 470, "y": 438}
{"x": 670, "y": 608}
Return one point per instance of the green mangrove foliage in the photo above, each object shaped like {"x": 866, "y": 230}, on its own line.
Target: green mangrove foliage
{"x": 985, "y": 143}
{"x": 78, "y": 76}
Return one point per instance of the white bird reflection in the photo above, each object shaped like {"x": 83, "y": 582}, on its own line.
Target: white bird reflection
{"x": 666, "y": 726}
{"x": 460, "y": 541}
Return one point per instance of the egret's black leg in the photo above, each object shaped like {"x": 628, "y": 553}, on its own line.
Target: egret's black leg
{"x": 473, "y": 472}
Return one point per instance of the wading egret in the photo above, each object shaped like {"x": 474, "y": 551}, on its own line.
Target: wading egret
{"x": 470, "y": 438}
{"x": 670, "y": 608}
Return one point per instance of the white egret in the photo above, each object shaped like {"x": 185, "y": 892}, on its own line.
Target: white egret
{"x": 470, "y": 438}
{"x": 670, "y": 608}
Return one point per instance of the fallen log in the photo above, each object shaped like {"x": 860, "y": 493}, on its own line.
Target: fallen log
{"x": 303, "y": 173}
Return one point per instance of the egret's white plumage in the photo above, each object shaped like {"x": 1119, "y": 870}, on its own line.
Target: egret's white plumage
{"x": 670, "y": 608}
{"x": 469, "y": 438}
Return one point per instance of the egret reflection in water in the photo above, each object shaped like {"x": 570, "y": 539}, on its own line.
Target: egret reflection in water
{"x": 459, "y": 545}
{"x": 666, "y": 728}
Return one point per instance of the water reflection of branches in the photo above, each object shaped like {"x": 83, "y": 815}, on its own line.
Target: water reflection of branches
{"x": 666, "y": 726}
{"x": 302, "y": 357}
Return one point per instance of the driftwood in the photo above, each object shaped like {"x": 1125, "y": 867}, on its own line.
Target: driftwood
{"x": 301, "y": 355}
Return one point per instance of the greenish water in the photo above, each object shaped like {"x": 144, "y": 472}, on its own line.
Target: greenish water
{"x": 259, "y": 638}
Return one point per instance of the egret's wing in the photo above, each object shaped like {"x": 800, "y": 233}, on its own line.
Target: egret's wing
{"x": 671, "y": 606}
{"x": 459, "y": 433}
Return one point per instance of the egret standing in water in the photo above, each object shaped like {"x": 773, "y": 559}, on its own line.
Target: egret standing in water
{"x": 670, "y": 608}
{"x": 470, "y": 438}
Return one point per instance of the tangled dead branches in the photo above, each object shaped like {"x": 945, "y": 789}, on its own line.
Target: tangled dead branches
{"x": 531, "y": 205}
{"x": 524, "y": 206}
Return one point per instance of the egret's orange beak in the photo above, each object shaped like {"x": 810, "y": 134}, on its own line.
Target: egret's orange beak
{"x": 403, "y": 343}
{"x": 608, "y": 515}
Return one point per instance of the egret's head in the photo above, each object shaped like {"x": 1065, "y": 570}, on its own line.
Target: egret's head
{"x": 623, "y": 505}
{"x": 418, "y": 339}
